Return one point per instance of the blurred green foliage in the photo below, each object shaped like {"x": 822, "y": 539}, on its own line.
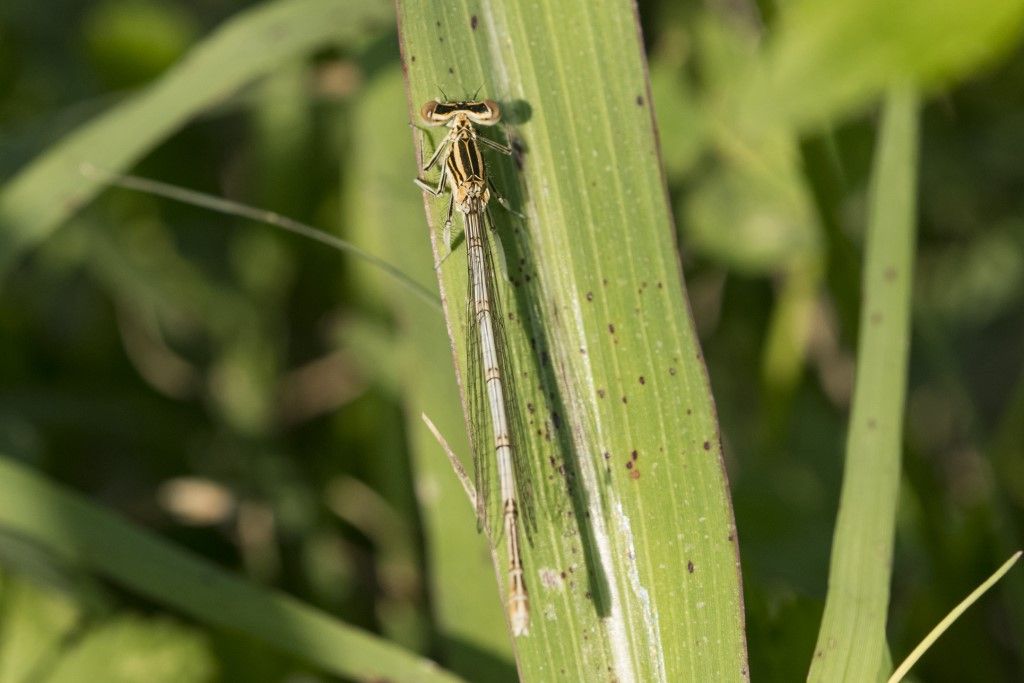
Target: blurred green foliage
{"x": 231, "y": 387}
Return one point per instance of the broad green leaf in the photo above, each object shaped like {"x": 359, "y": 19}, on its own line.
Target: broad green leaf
{"x": 78, "y": 531}
{"x": 36, "y": 201}
{"x": 632, "y": 569}
{"x": 851, "y": 643}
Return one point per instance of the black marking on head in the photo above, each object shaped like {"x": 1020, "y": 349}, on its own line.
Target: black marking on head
{"x": 484, "y": 112}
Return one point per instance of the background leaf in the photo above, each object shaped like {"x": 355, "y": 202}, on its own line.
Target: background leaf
{"x": 851, "y": 642}
{"x": 77, "y": 531}
{"x": 127, "y": 650}
{"x": 831, "y": 58}
{"x": 35, "y": 621}
{"x": 44, "y": 195}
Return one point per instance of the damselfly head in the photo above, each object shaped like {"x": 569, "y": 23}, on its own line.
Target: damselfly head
{"x": 480, "y": 112}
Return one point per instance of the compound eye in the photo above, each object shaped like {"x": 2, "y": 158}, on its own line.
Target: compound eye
{"x": 428, "y": 110}
{"x": 494, "y": 110}
{"x": 490, "y": 115}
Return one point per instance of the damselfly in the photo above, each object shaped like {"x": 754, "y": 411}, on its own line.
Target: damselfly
{"x": 463, "y": 170}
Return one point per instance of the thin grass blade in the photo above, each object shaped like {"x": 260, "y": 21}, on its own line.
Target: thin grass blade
{"x": 940, "y": 628}
{"x": 851, "y": 642}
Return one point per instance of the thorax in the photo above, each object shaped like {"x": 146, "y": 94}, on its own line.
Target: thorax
{"x": 465, "y": 161}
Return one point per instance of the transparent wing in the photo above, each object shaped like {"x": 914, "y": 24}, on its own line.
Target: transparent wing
{"x": 481, "y": 424}
{"x": 503, "y": 316}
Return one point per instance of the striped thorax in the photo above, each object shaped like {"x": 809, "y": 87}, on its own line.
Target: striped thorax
{"x": 465, "y": 163}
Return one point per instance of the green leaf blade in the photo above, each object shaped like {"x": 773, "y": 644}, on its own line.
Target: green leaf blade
{"x": 633, "y": 571}
{"x": 851, "y": 643}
